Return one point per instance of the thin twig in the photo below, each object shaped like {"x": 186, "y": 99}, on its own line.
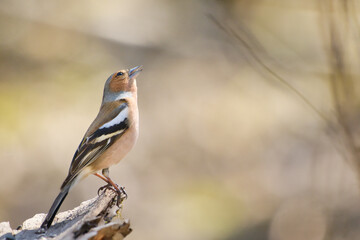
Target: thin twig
{"x": 233, "y": 33}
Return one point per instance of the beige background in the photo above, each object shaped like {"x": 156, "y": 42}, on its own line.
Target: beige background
{"x": 226, "y": 150}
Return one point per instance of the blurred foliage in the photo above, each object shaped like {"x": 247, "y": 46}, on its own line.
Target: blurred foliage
{"x": 249, "y": 112}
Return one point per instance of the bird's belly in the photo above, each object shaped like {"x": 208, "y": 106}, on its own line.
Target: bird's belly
{"x": 117, "y": 151}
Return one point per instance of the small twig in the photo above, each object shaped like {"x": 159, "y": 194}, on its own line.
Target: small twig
{"x": 233, "y": 33}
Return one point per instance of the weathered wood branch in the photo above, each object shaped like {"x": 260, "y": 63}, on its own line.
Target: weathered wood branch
{"x": 95, "y": 219}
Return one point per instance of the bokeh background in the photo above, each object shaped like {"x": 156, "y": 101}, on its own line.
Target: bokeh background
{"x": 249, "y": 113}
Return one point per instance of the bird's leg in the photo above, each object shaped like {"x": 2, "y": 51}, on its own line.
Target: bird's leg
{"x": 111, "y": 185}
{"x": 105, "y": 186}
{"x": 118, "y": 189}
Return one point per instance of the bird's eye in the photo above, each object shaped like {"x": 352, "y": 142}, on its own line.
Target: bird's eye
{"x": 119, "y": 74}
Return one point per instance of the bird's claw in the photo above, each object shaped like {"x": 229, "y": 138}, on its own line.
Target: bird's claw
{"x": 120, "y": 191}
{"x": 107, "y": 186}
{"x": 121, "y": 195}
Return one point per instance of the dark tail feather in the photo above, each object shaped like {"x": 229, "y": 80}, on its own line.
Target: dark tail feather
{"x": 53, "y": 210}
{"x": 64, "y": 190}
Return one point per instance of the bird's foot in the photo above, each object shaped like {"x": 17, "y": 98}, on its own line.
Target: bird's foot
{"x": 121, "y": 194}
{"x": 103, "y": 188}
{"x": 120, "y": 191}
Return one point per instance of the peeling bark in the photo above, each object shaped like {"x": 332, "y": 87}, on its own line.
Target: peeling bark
{"x": 95, "y": 219}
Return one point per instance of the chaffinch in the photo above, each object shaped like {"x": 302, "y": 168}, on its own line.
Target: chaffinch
{"x": 109, "y": 138}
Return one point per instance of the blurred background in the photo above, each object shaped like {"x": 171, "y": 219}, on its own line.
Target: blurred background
{"x": 249, "y": 113}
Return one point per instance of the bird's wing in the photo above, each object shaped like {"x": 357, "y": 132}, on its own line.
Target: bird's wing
{"x": 110, "y": 124}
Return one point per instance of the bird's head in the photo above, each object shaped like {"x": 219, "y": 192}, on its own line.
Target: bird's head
{"x": 121, "y": 84}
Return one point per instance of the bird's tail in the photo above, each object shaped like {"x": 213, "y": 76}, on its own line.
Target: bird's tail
{"x": 64, "y": 190}
{"x": 53, "y": 210}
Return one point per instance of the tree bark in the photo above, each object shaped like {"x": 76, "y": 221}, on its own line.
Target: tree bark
{"x": 95, "y": 219}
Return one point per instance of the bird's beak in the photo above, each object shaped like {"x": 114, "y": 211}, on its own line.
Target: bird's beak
{"x": 135, "y": 71}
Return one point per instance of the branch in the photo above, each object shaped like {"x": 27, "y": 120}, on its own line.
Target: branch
{"x": 98, "y": 218}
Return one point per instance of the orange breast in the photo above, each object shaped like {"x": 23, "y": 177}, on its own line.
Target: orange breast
{"x": 122, "y": 146}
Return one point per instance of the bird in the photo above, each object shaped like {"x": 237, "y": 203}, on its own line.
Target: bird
{"x": 108, "y": 139}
